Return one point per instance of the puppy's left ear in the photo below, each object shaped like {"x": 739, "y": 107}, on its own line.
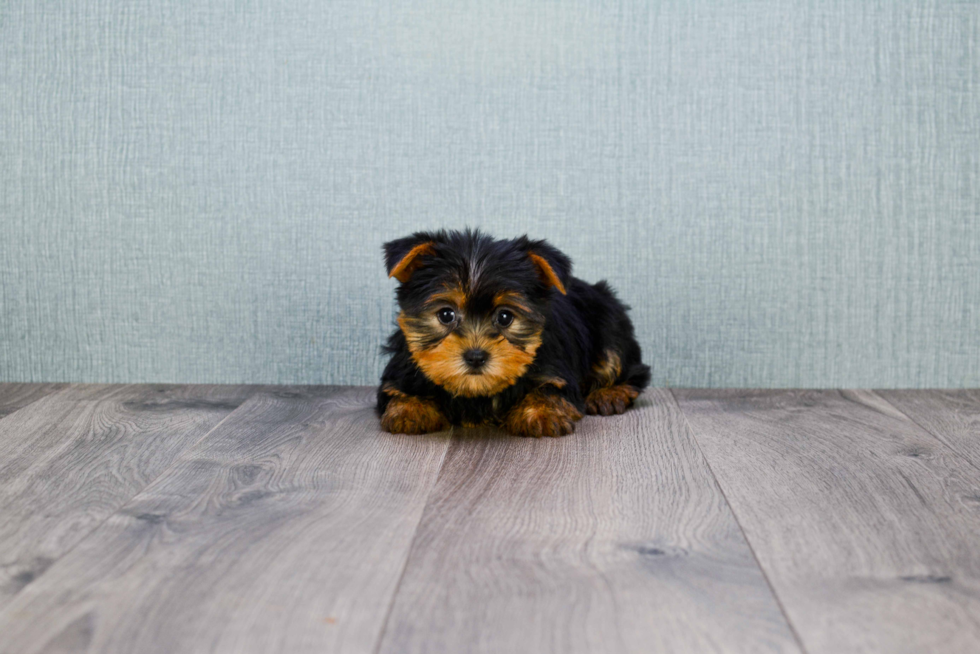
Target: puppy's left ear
{"x": 554, "y": 267}
{"x": 404, "y": 256}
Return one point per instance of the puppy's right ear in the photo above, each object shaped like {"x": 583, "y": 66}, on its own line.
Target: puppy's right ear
{"x": 554, "y": 267}
{"x": 404, "y": 256}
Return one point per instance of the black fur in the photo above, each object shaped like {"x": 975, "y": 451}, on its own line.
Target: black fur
{"x": 578, "y": 328}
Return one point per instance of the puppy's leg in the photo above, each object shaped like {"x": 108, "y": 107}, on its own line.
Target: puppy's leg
{"x": 612, "y": 391}
{"x": 542, "y": 412}
{"x": 610, "y": 400}
{"x": 407, "y": 414}
{"x": 617, "y": 374}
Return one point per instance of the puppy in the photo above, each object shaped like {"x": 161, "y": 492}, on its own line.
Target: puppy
{"x": 499, "y": 332}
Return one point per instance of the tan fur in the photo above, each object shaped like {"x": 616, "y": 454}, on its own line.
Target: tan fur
{"x": 547, "y": 273}
{"x": 606, "y": 370}
{"x": 455, "y": 296}
{"x": 542, "y": 415}
{"x": 512, "y": 299}
{"x": 390, "y": 390}
{"x": 403, "y": 269}
{"x": 443, "y": 363}
{"x": 610, "y": 400}
{"x": 412, "y": 415}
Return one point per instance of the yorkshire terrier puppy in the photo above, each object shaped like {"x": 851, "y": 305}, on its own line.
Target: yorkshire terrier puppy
{"x": 499, "y": 332}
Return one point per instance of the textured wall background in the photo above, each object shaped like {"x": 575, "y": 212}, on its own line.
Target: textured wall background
{"x": 788, "y": 193}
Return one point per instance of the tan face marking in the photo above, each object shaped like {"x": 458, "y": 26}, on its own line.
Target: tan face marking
{"x": 444, "y": 365}
{"x": 454, "y": 297}
{"x": 512, "y": 299}
{"x": 438, "y": 349}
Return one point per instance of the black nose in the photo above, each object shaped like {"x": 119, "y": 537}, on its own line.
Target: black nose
{"x": 475, "y": 358}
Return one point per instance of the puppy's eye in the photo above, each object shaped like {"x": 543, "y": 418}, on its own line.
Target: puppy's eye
{"x": 504, "y": 318}
{"x": 446, "y": 316}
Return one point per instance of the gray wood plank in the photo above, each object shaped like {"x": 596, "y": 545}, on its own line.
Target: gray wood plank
{"x": 15, "y": 396}
{"x": 866, "y": 526}
{"x": 952, "y": 416}
{"x": 614, "y": 539}
{"x": 72, "y": 458}
{"x": 284, "y": 530}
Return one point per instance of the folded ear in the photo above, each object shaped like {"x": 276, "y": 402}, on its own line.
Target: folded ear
{"x": 404, "y": 256}
{"x": 553, "y": 266}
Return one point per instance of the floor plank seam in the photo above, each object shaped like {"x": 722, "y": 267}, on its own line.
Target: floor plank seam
{"x": 738, "y": 522}
{"x": 928, "y": 431}
{"x": 411, "y": 545}
{"x": 98, "y": 525}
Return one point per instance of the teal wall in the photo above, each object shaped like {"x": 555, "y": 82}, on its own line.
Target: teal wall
{"x": 788, "y": 193}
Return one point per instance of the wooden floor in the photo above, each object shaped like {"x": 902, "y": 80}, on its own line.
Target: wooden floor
{"x": 187, "y": 519}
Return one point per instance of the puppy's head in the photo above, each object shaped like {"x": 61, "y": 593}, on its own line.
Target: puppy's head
{"x": 473, "y": 308}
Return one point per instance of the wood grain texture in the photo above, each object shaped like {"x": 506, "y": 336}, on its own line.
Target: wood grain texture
{"x": 16, "y": 396}
{"x": 952, "y": 416}
{"x": 69, "y": 460}
{"x": 866, "y": 525}
{"x": 614, "y": 539}
{"x": 284, "y": 530}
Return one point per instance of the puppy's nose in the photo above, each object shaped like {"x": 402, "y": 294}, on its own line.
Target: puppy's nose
{"x": 475, "y": 358}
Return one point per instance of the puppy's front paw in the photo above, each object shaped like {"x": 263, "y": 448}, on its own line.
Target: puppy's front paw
{"x": 610, "y": 400}
{"x": 412, "y": 415}
{"x": 542, "y": 415}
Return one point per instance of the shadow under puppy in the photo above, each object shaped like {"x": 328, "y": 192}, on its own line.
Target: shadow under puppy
{"x": 498, "y": 332}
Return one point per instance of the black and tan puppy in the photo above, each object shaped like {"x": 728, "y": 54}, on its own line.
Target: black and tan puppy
{"x": 499, "y": 332}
